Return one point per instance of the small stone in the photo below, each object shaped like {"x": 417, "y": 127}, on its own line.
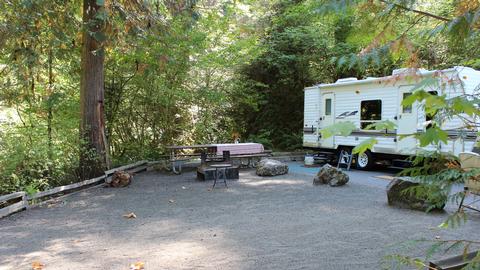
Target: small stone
{"x": 329, "y": 175}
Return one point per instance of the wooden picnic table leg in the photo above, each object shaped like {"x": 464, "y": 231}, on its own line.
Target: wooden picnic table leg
{"x": 172, "y": 158}
{"x": 174, "y": 163}
{"x": 216, "y": 178}
{"x": 225, "y": 176}
{"x": 203, "y": 158}
{"x": 463, "y": 198}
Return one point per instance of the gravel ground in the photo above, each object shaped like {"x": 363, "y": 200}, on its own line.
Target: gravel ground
{"x": 276, "y": 223}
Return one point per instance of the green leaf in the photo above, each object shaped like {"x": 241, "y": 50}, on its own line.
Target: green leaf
{"x": 364, "y": 146}
{"x": 342, "y": 61}
{"x": 411, "y": 98}
{"x": 434, "y": 249}
{"x": 462, "y": 105}
{"x": 443, "y": 225}
{"x": 431, "y": 82}
{"x": 432, "y": 135}
{"x": 341, "y": 128}
{"x": 382, "y": 125}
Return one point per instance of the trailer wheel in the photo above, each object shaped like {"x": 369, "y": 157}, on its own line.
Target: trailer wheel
{"x": 364, "y": 161}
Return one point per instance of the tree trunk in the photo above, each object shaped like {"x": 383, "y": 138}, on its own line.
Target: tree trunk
{"x": 93, "y": 156}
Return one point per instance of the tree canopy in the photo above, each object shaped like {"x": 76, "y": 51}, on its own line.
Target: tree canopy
{"x": 182, "y": 72}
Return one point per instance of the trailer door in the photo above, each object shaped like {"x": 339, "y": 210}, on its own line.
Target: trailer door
{"x": 406, "y": 123}
{"x": 327, "y": 117}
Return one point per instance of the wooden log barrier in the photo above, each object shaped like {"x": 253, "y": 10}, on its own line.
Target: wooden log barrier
{"x": 14, "y": 207}
{"x": 22, "y": 198}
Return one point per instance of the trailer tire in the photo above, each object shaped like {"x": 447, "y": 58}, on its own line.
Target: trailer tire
{"x": 364, "y": 161}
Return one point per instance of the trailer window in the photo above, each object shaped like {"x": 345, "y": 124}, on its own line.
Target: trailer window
{"x": 430, "y": 117}
{"x": 406, "y": 109}
{"x": 370, "y": 112}
{"x": 328, "y": 106}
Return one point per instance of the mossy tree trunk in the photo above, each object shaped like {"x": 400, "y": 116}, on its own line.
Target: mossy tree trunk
{"x": 93, "y": 154}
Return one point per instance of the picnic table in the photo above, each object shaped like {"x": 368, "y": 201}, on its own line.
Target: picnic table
{"x": 213, "y": 151}
{"x": 177, "y": 158}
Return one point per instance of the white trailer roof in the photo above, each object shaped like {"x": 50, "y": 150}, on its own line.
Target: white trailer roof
{"x": 396, "y": 73}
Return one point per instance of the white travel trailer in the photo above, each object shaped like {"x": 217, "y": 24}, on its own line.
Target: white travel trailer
{"x": 370, "y": 100}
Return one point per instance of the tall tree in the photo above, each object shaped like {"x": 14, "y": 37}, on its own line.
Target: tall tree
{"x": 94, "y": 158}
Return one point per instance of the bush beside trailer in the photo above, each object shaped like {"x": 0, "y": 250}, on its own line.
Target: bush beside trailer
{"x": 370, "y": 100}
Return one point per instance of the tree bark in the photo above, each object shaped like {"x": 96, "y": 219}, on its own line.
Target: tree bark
{"x": 93, "y": 154}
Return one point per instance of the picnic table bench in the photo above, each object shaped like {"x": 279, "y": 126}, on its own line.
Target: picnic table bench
{"x": 251, "y": 157}
{"x": 177, "y": 158}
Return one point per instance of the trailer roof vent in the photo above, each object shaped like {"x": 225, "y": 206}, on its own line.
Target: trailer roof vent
{"x": 351, "y": 79}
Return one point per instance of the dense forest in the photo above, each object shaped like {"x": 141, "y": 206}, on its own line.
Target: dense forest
{"x": 193, "y": 71}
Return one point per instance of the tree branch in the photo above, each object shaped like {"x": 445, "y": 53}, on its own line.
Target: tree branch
{"x": 417, "y": 11}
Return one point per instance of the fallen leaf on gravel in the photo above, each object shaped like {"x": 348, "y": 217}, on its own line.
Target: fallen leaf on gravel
{"x": 37, "y": 265}
{"x": 130, "y": 215}
{"x": 137, "y": 266}
{"x": 171, "y": 201}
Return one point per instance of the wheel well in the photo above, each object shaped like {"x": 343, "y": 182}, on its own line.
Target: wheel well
{"x": 343, "y": 147}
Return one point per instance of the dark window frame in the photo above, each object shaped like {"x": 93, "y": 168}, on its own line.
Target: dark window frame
{"x": 430, "y": 117}
{"x": 328, "y": 106}
{"x": 372, "y": 117}
{"x": 409, "y": 108}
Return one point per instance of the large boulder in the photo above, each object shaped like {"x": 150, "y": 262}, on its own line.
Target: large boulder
{"x": 329, "y": 175}
{"x": 402, "y": 194}
{"x": 271, "y": 167}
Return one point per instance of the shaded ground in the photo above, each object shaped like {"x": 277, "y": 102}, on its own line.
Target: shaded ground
{"x": 257, "y": 223}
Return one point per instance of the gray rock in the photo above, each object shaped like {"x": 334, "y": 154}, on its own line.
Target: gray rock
{"x": 399, "y": 196}
{"x": 271, "y": 167}
{"x": 331, "y": 176}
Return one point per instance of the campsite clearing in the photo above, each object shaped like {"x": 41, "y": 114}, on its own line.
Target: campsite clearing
{"x": 281, "y": 222}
